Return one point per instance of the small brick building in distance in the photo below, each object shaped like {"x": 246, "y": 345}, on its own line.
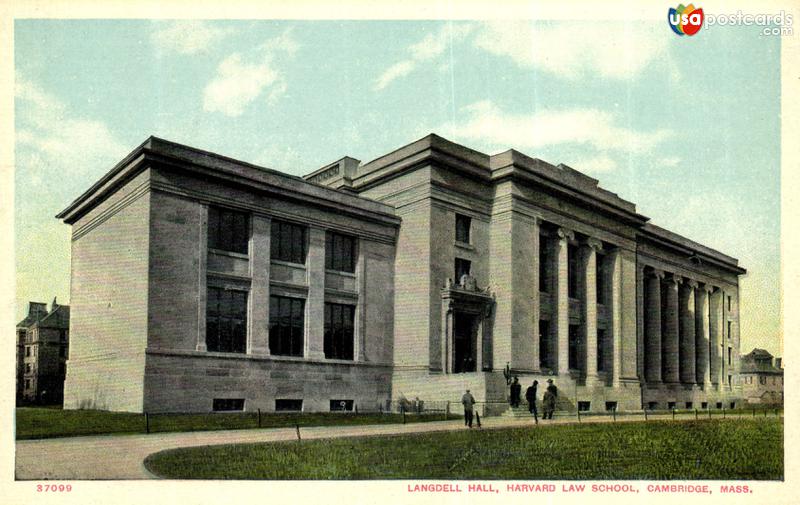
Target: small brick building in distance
{"x": 42, "y": 349}
{"x": 761, "y": 376}
{"x": 204, "y": 283}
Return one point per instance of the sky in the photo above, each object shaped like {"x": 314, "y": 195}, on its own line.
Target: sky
{"x": 688, "y": 128}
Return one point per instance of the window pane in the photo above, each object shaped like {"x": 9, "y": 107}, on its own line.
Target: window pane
{"x": 213, "y": 228}
{"x": 329, "y": 250}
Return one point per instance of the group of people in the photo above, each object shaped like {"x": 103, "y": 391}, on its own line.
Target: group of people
{"x": 548, "y": 400}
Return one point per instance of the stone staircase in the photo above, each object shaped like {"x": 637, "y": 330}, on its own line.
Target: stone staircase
{"x": 519, "y": 412}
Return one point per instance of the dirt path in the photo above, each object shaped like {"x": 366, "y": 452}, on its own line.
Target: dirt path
{"x": 121, "y": 456}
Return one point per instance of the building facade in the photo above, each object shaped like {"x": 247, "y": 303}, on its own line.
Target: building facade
{"x": 761, "y": 376}
{"x": 42, "y": 352}
{"x": 204, "y": 283}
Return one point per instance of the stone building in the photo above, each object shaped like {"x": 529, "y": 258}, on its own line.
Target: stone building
{"x": 42, "y": 349}
{"x": 761, "y": 376}
{"x": 204, "y": 283}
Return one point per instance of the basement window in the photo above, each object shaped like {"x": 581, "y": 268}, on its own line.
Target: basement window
{"x": 584, "y": 406}
{"x": 341, "y": 405}
{"x": 228, "y": 404}
{"x": 288, "y": 405}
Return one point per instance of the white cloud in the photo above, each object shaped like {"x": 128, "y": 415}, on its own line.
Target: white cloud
{"x": 430, "y": 47}
{"x": 241, "y": 79}
{"x": 575, "y": 50}
{"x": 670, "y": 161}
{"x": 187, "y": 36}
{"x": 595, "y": 164}
{"x": 486, "y": 124}
{"x": 54, "y": 141}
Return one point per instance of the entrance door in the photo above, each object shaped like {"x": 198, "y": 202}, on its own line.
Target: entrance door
{"x": 464, "y": 342}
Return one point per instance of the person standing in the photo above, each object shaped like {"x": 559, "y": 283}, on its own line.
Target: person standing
{"x": 468, "y": 401}
{"x": 516, "y": 389}
{"x": 530, "y": 396}
{"x": 549, "y": 400}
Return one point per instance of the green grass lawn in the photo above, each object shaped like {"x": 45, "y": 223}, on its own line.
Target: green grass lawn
{"x": 705, "y": 449}
{"x": 48, "y": 423}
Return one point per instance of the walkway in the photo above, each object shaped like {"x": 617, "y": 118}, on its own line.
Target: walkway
{"x": 121, "y": 456}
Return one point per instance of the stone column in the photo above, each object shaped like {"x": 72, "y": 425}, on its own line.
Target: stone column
{"x": 562, "y": 299}
{"x": 615, "y": 264}
{"x": 652, "y": 317}
{"x": 258, "y": 304}
{"x": 202, "y": 280}
{"x": 669, "y": 337}
{"x": 702, "y": 341}
{"x": 715, "y": 330}
{"x": 315, "y": 303}
{"x": 590, "y": 307}
{"x": 447, "y": 337}
{"x": 687, "y": 332}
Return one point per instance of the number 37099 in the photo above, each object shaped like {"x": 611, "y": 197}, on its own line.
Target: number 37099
{"x": 53, "y": 488}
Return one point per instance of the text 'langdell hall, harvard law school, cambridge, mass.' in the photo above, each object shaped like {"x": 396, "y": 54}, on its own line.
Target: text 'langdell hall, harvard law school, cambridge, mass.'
{"x": 204, "y": 283}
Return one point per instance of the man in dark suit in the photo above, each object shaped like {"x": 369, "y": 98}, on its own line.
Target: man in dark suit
{"x": 530, "y": 396}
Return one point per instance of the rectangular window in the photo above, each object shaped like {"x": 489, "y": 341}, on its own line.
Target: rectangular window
{"x": 228, "y": 404}
{"x": 689, "y": 405}
{"x": 228, "y": 230}
{"x": 341, "y": 405}
{"x": 719, "y": 405}
{"x": 226, "y": 320}
{"x": 729, "y": 303}
{"x": 729, "y": 356}
{"x": 601, "y": 280}
{"x": 27, "y": 351}
{"x": 544, "y": 263}
{"x": 288, "y": 242}
{"x": 340, "y": 252}
{"x": 286, "y": 317}
{"x": 28, "y": 368}
{"x": 338, "y": 342}
{"x": 584, "y": 406}
{"x": 285, "y": 405}
{"x": 762, "y": 380}
{"x": 729, "y": 329}
{"x": 463, "y": 267}
{"x": 27, "y": 383}
{"x": 703, "y": 405}
{"x": 652, "y": 405}
{"x": 602, "y": 345}
{"x": 733, "y": 405}
{"x": 611, "y": 406}
{"x": 572, "y": 271}
{"x": 670, "y": 405}
{"x": 574, "y": 346}
{"x": 730, "y": 380}
{"x": 545, "y": 356}
{"x": 463, "y": 224}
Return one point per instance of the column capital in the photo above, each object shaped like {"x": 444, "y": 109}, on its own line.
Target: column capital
{"x": 691, "y": 283}
{"x": 594, "y": 243}
{"x": 565, "y": 234}
{"x": 655, "y": 272}
{"x": 708, "y": 288}
{"x": 673, "y": 279}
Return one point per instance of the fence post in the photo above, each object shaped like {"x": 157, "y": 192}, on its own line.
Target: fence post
{"x": 147, "y": 422}
{"x": 297, "y": 430}
{"x": 723, "y": 412}
{"x": 380, "y": 407}
{"x": 696, "y": 414}
{"x": 673, "y": 413}
{"x": 447, "y": 411}
{"x": 356, "y": 407}
{"x": 765, "y": 412}
{"x": 478, "y": 418}
{"x": 614, "y": 413}
{"x": 259, "y": 418}
{"x": 579, "y": 414}
{"x": 645, "y": 414}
